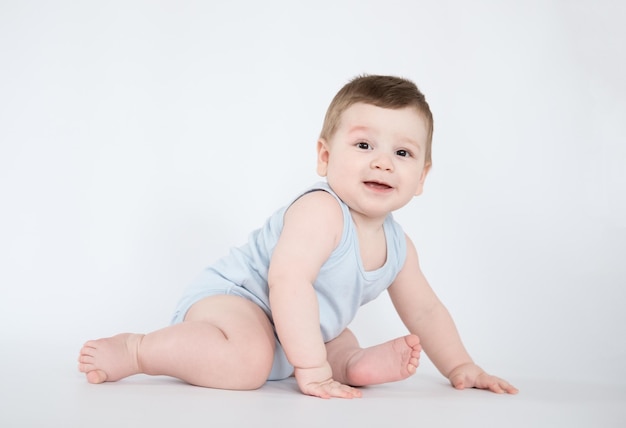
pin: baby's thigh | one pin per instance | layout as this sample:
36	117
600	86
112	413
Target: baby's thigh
243	323
236	316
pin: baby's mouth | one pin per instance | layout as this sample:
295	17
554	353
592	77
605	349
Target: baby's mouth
377	185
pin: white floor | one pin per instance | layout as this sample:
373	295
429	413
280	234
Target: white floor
41	388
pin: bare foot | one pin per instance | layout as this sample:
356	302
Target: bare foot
388	362
110	359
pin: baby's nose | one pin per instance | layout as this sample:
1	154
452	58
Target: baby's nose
382	162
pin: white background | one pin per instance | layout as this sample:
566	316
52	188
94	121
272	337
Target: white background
139	141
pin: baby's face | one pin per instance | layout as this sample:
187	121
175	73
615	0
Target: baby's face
375	159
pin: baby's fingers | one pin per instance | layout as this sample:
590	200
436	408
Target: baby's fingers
333	389
497	385
508	388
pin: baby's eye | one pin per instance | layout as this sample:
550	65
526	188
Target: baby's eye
363	145
403	153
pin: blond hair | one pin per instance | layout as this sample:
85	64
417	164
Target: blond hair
381	91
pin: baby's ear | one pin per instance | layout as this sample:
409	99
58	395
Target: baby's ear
420	187
322	157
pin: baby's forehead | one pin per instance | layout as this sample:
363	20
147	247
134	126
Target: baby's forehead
361	113
372	108
405	123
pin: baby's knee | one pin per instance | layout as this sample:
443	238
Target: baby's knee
255	369
253	365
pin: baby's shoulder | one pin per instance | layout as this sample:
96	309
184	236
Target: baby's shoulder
315	214
318	202
316	208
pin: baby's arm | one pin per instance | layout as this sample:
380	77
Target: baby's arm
312	229
424	314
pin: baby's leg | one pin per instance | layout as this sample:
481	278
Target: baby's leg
388	362
225	342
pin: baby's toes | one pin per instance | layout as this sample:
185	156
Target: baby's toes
412	341
85	359
96	376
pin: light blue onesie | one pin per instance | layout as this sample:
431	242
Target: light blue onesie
342	285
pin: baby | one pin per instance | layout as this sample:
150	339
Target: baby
280	305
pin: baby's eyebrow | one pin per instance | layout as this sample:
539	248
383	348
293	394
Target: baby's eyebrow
401	139
410	142
359	128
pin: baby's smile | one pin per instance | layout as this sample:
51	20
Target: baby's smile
377	185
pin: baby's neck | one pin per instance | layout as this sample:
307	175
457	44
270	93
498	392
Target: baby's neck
367	225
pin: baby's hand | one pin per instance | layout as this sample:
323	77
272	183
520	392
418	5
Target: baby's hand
472	376
318	382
